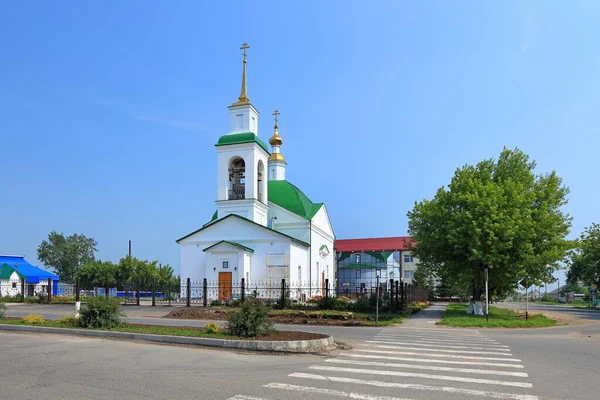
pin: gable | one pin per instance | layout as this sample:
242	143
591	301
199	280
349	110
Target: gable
234	228
228	246
321	220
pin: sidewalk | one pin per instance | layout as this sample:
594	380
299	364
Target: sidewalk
426	318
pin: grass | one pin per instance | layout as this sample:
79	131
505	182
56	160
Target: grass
499	318
155	330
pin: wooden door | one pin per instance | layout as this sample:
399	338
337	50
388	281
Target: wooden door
323	284
225	285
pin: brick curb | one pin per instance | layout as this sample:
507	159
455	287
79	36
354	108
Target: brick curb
291	346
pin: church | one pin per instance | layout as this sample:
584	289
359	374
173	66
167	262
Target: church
265	229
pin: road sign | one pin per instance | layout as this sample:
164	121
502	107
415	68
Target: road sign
593	292
593	286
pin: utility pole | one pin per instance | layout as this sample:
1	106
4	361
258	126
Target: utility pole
487	297
558	292
130	248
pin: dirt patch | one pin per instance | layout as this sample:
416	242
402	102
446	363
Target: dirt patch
272	336
298	317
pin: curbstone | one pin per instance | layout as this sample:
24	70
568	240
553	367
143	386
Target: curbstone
291	346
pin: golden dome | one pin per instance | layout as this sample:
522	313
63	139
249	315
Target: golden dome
276	140
276	157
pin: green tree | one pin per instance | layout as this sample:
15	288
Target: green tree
585	258
497	215
66	254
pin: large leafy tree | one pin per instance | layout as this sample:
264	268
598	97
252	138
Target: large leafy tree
496	215
66	254
585	259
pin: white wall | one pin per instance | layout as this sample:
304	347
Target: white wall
289	223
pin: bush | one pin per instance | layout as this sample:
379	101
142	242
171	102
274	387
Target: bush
69	320
2	308
251	320
33	319
101	312
215	303
212	328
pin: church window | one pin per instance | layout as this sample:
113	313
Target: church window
14	285
237	179
299	273
225	264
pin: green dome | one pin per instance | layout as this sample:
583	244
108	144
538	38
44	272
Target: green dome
288	196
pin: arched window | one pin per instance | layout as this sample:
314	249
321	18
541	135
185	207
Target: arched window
260	181
237	179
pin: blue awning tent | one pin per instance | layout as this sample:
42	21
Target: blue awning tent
33	274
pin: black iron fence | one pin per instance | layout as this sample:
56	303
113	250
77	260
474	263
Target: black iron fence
391	295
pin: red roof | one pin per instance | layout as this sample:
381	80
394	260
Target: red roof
401	243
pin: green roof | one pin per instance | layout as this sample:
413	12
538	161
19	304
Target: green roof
6	271
288	196
239	138
241	246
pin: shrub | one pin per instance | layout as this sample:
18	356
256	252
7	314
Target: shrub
33	319
251	320
215	303
69	320
212	328
2	308
101	312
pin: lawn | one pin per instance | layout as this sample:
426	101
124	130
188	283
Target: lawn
499	318
358	318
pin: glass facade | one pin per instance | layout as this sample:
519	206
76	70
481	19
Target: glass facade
357	272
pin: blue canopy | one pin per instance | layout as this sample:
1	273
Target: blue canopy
32	274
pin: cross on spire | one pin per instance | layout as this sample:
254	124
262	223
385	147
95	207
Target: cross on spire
244	47
276	116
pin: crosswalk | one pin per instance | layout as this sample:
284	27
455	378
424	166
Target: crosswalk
410	363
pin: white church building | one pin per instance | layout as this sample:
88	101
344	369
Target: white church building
265	229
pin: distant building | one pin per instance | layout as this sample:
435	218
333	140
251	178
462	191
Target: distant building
359	261
14	268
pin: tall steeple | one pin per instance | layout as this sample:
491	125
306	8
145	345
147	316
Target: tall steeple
243	115
276	161
243	99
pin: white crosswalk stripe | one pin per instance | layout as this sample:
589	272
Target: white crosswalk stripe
437	361
428	367
415	386
410	364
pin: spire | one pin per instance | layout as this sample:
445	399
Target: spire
276	140
243	99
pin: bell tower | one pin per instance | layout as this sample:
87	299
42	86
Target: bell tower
242	161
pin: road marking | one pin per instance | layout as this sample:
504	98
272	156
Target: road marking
409	353
416	386
441	345
426	360
466	332
424	376
242	397
436	350
437	336
428	367
436	339
330	392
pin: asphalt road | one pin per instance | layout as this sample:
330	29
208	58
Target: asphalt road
581	313
415	361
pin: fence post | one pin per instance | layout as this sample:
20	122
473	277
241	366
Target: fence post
169	292
137	295
392	304
22	290
188	292
49	290
106	289
283	293
205	292
153	292
326	292
243	289
405	295
396	299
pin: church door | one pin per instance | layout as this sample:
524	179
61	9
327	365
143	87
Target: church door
225	285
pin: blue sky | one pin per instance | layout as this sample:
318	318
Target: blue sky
110	110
